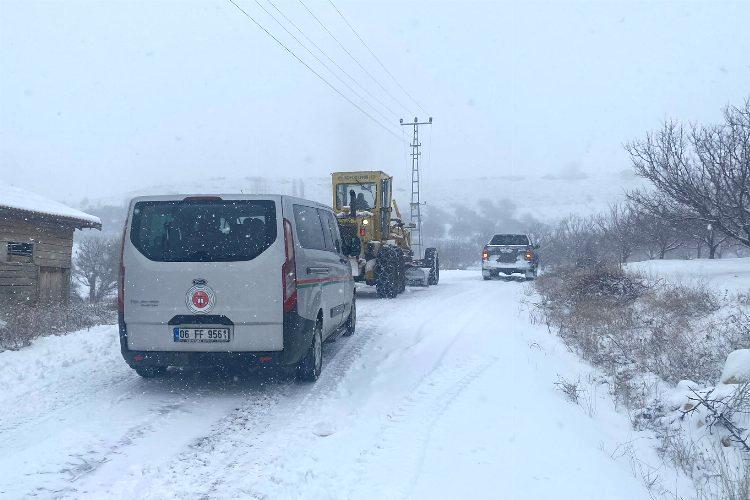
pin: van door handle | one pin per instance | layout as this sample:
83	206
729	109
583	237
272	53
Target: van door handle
344	261
318	270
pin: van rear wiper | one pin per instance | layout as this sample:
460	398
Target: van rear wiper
201	256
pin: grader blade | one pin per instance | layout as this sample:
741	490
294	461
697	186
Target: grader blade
417	276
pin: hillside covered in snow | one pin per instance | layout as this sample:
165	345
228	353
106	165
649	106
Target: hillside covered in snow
546	198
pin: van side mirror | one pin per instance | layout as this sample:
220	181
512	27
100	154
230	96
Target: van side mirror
536	247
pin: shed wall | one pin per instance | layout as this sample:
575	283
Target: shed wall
51	260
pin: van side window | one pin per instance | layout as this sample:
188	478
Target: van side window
332	224
326	231
309	228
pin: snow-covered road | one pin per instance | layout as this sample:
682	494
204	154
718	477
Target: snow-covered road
445	392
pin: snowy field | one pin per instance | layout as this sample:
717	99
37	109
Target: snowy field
445	392
722	275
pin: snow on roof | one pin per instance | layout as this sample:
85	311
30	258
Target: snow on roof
20	199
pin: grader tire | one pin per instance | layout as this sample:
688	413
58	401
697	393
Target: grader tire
432	260
388	275
401	274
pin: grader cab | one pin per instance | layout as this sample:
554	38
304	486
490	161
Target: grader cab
375	237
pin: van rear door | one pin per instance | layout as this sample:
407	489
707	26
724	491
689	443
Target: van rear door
204	261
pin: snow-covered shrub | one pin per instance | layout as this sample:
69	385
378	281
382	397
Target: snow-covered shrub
737	368
622	321
580	301
570	389
22	323
679	300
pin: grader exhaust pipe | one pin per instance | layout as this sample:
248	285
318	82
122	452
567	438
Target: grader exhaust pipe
352	203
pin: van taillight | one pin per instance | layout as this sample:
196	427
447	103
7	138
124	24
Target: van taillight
121	282
528	255
485	254
288	270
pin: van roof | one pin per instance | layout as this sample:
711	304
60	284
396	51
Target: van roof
227	196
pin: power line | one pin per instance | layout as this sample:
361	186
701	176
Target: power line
376	57
321	62
352	57
312	70
365	89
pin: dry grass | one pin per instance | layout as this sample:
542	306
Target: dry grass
23	323
622	322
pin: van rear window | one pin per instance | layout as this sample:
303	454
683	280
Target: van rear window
203	230
509	239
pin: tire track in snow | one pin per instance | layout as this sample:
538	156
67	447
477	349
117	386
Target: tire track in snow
399	465
81	463
244	438
275	466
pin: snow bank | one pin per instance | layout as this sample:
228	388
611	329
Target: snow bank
50	360
737	367
20	199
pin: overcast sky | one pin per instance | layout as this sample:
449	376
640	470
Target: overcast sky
104	97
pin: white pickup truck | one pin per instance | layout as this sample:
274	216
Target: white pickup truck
510	254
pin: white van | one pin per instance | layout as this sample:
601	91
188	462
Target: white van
247	279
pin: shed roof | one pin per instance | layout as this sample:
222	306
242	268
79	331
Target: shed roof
20	199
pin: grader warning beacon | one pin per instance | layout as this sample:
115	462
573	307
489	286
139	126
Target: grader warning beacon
376	239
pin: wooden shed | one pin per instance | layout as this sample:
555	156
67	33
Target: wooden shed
36	243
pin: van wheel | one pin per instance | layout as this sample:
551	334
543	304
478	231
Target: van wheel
351	321
311	365
150	371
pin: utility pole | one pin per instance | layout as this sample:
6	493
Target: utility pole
416	204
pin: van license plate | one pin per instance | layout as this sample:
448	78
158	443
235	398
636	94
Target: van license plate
200	334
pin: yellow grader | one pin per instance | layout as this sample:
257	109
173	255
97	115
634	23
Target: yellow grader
376	239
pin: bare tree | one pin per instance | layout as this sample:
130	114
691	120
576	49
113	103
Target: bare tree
619	227
434	221
466	222
96	265
575	240
662	230
705	172
705	235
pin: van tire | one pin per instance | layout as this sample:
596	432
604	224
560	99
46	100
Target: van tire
351	322
311	365
388	275
150	371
